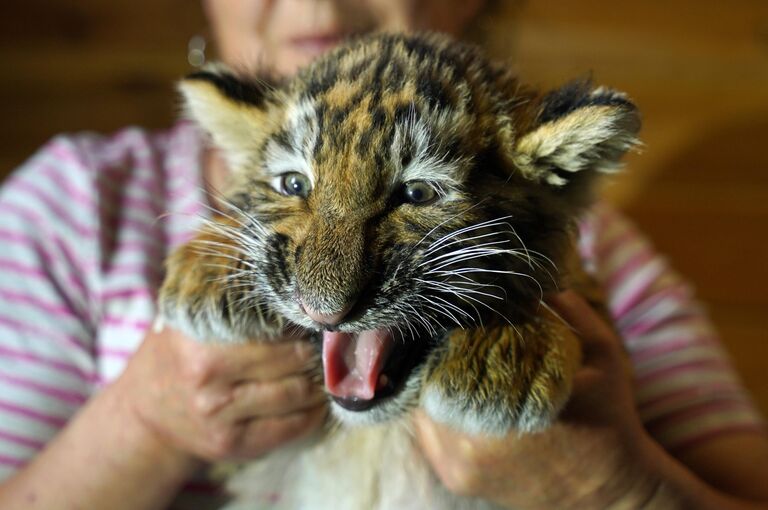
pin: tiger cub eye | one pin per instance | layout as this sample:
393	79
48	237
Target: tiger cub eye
295	184
419	192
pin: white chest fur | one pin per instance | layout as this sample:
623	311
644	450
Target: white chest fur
376	468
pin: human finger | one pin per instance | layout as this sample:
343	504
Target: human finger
580	315
272	398
262	435
604	357
202	362
226	364
599	341
282	360
462	462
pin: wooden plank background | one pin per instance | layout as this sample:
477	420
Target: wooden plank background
697	68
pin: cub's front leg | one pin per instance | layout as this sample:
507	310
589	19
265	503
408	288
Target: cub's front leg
499	379
208	293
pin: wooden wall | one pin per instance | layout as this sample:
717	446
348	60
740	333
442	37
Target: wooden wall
697	68
699	72
89	65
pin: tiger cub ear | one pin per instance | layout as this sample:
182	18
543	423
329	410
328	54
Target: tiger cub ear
232	109
579	132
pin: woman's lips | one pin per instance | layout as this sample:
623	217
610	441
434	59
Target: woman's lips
317	43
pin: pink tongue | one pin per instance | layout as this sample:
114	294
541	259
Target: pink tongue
353	361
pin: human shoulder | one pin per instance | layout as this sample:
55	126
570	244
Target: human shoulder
85	156
81	192
77	181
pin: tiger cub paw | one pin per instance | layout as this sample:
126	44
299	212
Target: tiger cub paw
193	297
495	381
202	297
498	415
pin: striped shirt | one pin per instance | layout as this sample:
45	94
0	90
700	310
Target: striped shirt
86	223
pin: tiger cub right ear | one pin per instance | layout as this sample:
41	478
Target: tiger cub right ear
232	109
579	133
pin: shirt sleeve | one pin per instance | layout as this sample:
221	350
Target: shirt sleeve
686	389
48	273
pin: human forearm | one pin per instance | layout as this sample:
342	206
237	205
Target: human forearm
598	455
678	488
178	400
647	478
104	458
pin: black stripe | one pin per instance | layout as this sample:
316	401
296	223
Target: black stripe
574	95
236	89
283	139
364	142
322	79
320	112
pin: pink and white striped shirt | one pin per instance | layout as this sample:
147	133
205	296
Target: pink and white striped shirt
86	223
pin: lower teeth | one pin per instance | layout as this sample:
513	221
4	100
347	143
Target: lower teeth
383	380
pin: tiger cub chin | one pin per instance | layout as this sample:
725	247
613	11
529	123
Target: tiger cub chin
411	203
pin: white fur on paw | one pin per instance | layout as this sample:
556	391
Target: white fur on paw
202	325
489	419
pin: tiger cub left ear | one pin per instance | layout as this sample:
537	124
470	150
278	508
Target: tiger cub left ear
580	131
232	108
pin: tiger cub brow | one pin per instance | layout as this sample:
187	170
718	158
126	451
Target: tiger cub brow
290	149
416	152
418	155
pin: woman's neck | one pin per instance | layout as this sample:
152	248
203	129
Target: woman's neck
215	176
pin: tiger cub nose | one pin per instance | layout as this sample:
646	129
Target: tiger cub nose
328	319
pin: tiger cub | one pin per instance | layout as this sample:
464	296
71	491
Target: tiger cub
411	203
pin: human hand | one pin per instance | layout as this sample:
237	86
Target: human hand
596	456
216	401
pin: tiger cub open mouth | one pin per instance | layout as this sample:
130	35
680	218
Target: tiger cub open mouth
363	369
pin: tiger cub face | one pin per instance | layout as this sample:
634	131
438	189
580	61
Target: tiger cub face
399	188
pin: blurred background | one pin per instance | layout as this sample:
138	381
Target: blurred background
698	69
